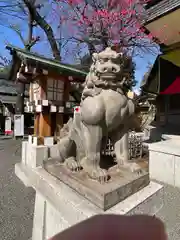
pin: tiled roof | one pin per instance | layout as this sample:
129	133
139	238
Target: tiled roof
9	87
161	8
49	63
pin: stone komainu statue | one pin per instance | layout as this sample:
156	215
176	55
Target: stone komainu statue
105	112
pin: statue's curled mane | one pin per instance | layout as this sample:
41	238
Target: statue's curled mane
107	62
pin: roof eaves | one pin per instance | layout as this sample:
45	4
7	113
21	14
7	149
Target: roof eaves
160	9
22	54
172	47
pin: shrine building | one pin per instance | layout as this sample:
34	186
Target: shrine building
52	90
163	82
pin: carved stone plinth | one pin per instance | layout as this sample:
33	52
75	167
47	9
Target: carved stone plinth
121	185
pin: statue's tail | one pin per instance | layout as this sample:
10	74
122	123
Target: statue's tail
149	117
76	135
144	116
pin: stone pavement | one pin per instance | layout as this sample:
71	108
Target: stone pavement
17	201
170	213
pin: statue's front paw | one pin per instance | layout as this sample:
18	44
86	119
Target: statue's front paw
133	167
120	162
72	164
99	174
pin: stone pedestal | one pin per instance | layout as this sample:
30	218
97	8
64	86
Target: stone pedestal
164	161
58	206
121	185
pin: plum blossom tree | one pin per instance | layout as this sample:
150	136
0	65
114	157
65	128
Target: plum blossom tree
85	25
106	23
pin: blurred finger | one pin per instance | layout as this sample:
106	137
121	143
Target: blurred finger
105	227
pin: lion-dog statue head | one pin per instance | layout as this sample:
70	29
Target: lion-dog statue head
109	69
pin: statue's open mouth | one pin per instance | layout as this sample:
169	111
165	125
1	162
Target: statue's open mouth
108	75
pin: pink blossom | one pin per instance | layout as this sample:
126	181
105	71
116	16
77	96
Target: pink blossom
123	20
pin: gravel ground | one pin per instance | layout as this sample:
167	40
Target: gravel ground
17	201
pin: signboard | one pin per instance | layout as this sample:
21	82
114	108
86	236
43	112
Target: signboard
18	125
8	125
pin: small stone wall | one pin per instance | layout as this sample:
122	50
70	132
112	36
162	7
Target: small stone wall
164	162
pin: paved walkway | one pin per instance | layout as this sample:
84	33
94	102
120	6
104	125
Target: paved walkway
170	213
17	201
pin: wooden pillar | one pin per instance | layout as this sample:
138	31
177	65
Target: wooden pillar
43	84
36	124
166	108
67	86
59	123
45	124
66	90
60	116
42	121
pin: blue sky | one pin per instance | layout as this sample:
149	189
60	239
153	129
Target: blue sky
142	64
8	36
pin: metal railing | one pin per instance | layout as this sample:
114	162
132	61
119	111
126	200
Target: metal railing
135	146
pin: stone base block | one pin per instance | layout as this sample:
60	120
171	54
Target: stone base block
48	141
164	162
54	151
121	185
58	206
33	156
37	140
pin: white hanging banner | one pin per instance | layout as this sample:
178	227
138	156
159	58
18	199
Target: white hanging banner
18	125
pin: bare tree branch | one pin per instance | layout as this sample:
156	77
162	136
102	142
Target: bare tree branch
17	30
45	27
